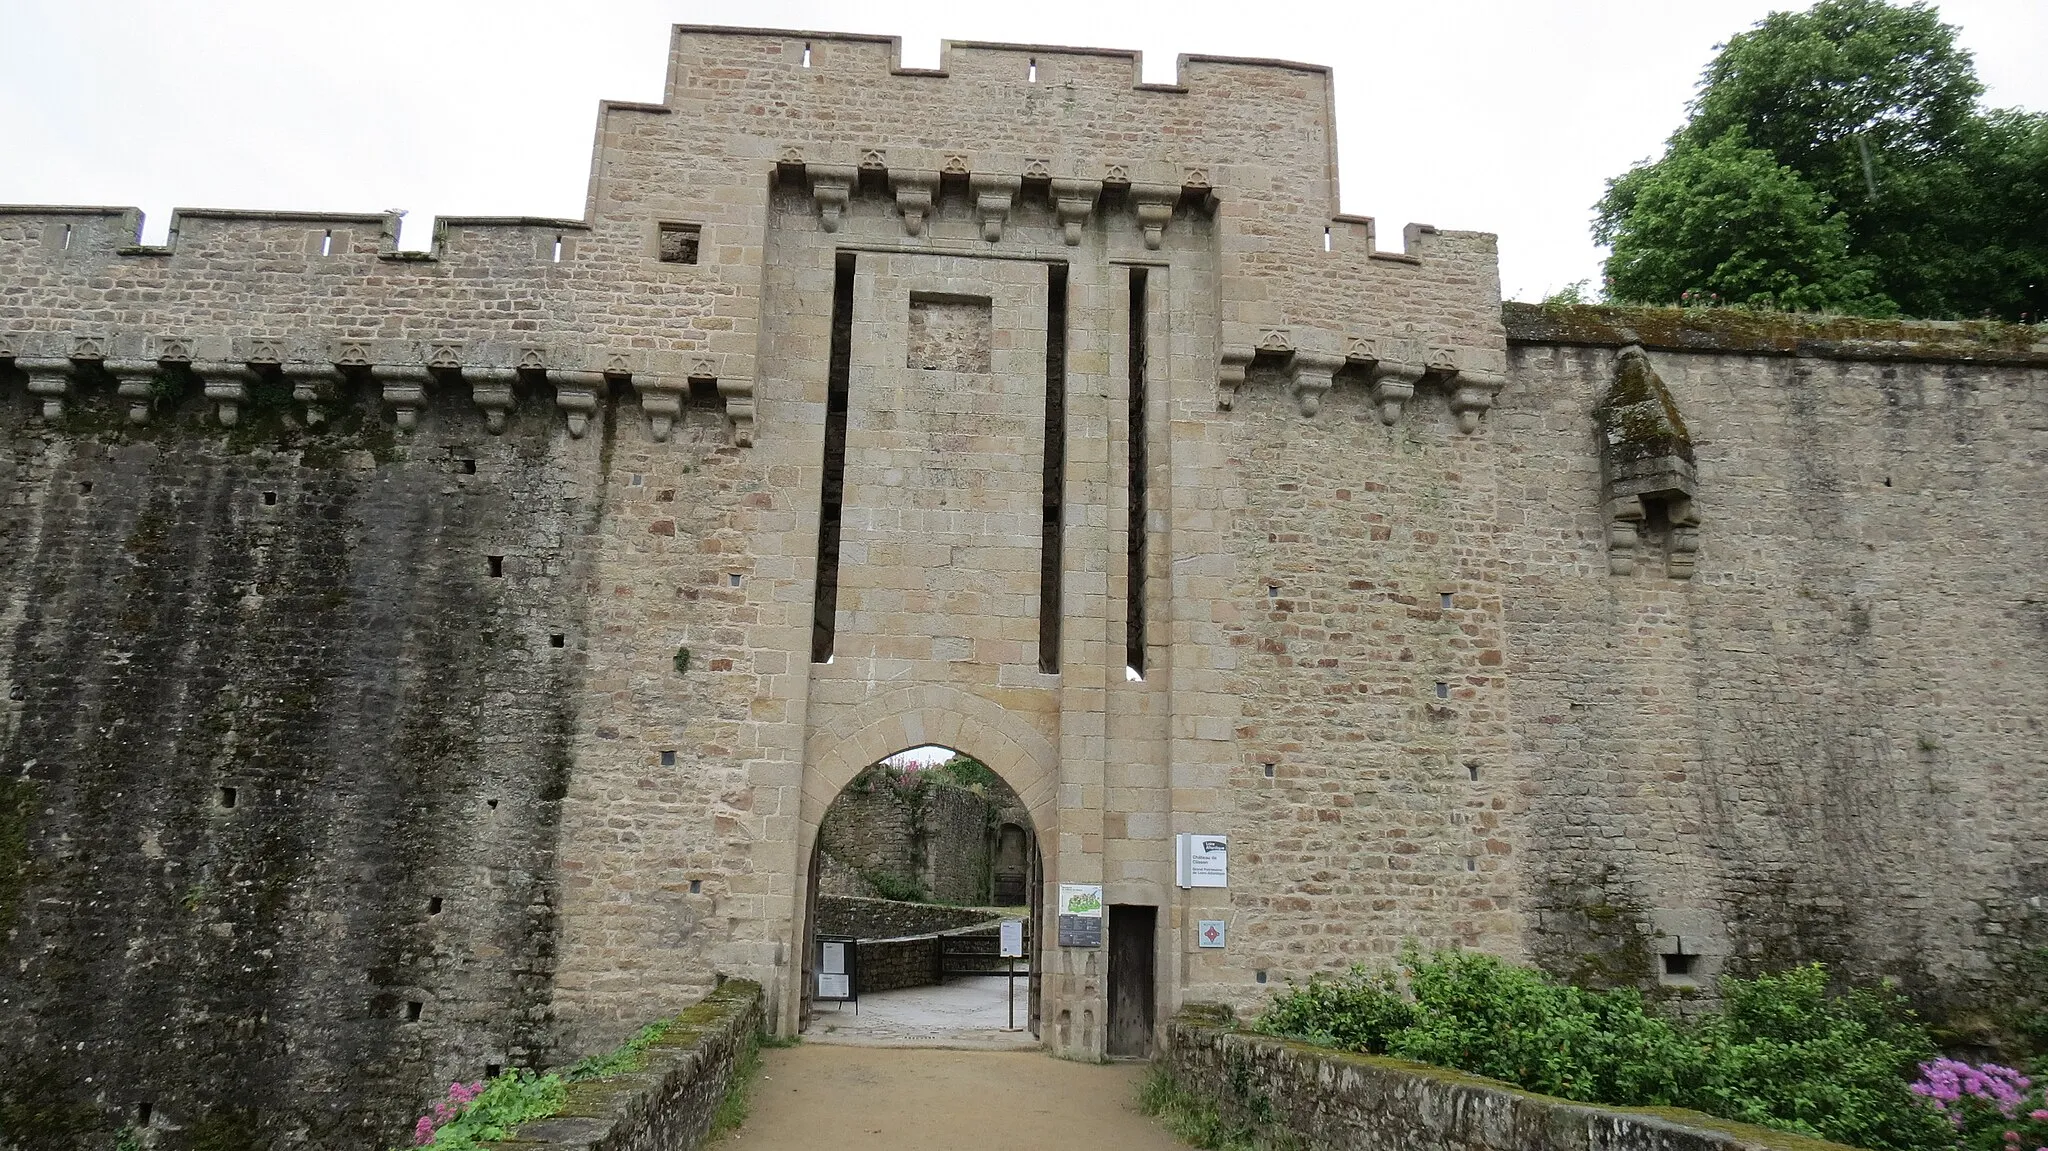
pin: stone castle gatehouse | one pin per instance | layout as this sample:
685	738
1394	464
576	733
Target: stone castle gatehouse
417	663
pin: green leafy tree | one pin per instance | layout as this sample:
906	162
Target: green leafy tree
1726	223
1875	109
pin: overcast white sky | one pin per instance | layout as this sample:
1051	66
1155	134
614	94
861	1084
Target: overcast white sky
1501	115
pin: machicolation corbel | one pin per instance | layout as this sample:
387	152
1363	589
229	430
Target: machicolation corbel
227	385
1154	203
492	390
405	392
1073	201
915	194
577	394
832	187
994	197
1647	475
1311	375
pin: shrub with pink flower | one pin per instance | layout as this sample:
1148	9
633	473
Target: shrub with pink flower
1993	1108
460	1095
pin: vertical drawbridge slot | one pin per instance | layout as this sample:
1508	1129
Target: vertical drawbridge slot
832	493
1053	522
1135	526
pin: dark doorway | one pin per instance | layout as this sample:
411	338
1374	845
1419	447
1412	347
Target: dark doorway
1130	980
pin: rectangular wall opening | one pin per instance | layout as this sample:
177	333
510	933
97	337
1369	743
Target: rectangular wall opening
1053	515
832	492
1135	527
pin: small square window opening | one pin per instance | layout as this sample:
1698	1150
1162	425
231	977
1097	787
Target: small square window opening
1443	690
668	759
679	243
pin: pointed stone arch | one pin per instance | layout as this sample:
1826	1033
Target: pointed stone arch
937	715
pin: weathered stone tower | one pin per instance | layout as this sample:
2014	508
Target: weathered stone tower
424	662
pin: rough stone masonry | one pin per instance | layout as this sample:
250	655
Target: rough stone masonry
416	664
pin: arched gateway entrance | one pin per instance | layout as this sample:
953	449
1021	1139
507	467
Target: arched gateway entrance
922	716
913	869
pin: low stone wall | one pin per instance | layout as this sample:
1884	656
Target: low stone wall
891	964
889	918
1311	1098
669	1104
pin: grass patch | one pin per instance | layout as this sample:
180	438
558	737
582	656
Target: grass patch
739	1093
1189	1117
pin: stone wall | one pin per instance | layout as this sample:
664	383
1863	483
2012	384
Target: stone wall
1821	745
284	759
485	581
669	1104
894	964
1315	1099
936	838
887	918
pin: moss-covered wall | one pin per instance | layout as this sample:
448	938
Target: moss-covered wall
309	621
1826	744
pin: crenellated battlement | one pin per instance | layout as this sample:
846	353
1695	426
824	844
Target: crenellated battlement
60	232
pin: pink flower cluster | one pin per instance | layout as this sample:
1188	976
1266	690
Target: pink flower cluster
1946	1082
460	1095
1957	1089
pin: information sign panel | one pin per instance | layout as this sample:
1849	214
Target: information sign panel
1202	860
836	975
1013	938
1080	915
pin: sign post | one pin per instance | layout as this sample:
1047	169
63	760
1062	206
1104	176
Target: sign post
1012	947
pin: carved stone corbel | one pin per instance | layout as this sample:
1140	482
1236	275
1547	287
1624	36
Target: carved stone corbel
1230	372
1393	385
739	408
1154	203
577	393
314	387
405	392
491	390
134	381
832	187
994	196
227	385
50	379
1473	397
915	193
1311	374
1646	466
662	400
1072	201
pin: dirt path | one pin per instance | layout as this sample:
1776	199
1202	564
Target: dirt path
829	1098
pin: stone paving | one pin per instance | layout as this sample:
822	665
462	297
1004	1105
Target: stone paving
969	1013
